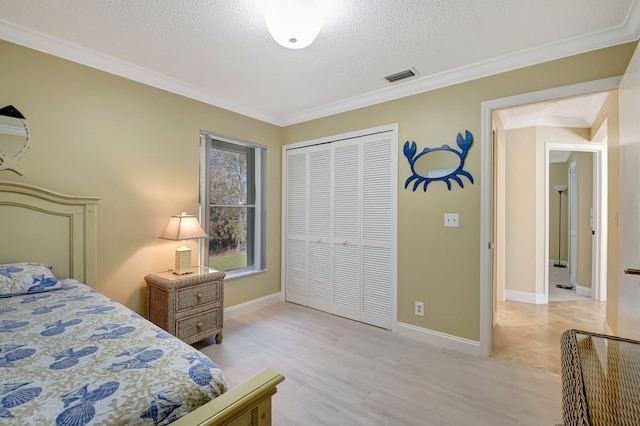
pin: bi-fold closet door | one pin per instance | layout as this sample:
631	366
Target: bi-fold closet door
340	227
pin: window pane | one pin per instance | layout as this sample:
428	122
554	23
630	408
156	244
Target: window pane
228	238
234	212
228	177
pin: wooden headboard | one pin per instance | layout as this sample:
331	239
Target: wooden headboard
38	225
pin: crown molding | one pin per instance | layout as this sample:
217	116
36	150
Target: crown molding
91	58
629	31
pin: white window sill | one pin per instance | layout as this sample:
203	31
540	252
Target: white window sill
242	274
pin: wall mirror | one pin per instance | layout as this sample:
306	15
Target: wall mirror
14	138
438	164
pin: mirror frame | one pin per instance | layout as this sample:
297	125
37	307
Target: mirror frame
11	163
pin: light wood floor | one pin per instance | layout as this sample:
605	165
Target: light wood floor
340	372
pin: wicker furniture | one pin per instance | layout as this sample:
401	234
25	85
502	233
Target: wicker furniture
600	379
187	306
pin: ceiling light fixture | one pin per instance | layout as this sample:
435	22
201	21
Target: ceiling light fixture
293	24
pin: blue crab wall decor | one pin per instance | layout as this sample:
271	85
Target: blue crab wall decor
445	175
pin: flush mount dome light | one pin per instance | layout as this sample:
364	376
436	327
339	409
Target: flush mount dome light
293	23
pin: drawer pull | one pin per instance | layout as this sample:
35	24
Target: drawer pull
199	296
199	325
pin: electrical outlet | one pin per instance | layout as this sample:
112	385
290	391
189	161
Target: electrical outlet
419	309
451	220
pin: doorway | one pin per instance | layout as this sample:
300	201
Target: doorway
574	220
492	246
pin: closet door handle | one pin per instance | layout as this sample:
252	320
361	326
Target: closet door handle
631	271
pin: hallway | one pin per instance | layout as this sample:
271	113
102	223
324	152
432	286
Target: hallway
529	334
561	276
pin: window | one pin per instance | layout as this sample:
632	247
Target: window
233	209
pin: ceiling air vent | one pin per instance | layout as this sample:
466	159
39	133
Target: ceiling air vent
401	75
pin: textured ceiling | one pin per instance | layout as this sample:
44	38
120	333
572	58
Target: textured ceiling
220	52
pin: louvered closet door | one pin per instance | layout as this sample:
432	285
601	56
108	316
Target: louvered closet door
296	276
346	230
341	227
378	249
319	231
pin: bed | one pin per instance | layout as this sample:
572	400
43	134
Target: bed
71	356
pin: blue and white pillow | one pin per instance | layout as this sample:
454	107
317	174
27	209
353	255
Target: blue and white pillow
26	277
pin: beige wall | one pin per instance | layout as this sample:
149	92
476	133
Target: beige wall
558	176
438	265
609	112
520	215
526	204
136	147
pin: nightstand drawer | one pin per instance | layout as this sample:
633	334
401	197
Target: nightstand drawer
197	295
197	324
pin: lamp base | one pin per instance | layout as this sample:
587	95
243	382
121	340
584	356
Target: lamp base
565	286
183	261
559	265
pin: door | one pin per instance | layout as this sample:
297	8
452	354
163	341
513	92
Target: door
319	232
573	225
346	229
339	225
629	290
297	287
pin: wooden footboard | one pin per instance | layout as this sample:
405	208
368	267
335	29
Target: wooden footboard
248	404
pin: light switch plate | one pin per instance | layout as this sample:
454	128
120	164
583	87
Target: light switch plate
451	220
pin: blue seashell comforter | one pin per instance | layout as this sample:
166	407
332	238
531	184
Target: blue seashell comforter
74	357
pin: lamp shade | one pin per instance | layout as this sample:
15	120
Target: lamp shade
183	227
559	188
294	24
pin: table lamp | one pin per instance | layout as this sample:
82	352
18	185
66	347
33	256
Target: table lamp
183	227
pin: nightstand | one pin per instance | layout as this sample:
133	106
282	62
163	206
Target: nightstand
188	306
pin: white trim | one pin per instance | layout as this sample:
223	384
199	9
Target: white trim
486	181
525	297
628	32
252	305
441	340
94	59
342	136
583	291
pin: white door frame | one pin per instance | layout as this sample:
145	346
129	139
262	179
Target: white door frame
572	204
600	191
486	172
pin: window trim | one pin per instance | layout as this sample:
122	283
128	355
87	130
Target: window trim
259	190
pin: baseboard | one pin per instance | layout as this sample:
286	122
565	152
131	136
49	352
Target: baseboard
252	305
524	297
442	340
583	291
